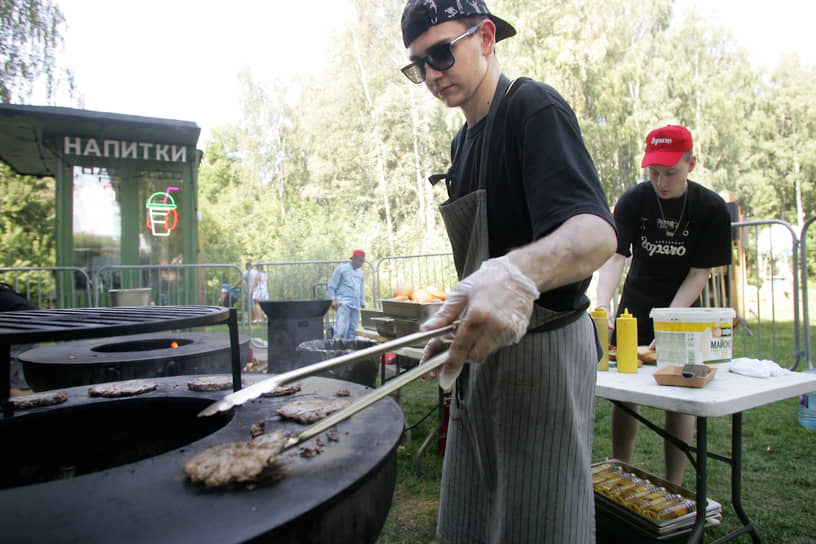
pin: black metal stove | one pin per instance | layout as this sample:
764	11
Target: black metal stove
99	360
290	323
105	470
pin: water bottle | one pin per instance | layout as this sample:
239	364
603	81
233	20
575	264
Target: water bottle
807	408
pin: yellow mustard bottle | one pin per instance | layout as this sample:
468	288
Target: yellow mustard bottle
626	328
602	329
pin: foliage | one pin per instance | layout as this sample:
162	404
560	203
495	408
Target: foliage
30	35
318	165
349	150
27	218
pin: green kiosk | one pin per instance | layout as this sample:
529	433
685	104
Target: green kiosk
126	186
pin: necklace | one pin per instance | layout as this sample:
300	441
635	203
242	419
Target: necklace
671	233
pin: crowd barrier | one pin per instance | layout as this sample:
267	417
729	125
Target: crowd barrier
415	271
766	284
50	287
764	290
807	330
309	280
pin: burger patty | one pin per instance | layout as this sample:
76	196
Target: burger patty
36	400
238	462
283	390
203	384
311	410
121	389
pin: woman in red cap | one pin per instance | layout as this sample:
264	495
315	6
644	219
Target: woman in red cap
347	294
675	231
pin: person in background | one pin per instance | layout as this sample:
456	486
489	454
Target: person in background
12	301
243	283
251	276
528	223
675	231
260	292
347	294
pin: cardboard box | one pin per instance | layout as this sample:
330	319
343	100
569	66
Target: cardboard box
674	375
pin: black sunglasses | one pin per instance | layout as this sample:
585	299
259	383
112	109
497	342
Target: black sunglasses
439	57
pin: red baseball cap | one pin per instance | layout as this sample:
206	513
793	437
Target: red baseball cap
666	146
358	253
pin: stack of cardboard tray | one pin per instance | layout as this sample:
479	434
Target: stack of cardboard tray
618	521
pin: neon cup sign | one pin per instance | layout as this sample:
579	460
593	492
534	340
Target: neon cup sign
162	212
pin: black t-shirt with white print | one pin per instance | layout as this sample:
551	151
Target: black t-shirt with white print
693	230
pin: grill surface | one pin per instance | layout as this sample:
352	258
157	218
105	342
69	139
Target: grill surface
97	360
341	495
72	324
53	325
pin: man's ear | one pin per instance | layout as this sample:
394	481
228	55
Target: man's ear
487	35
692	162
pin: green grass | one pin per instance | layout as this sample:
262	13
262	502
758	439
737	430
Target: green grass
779	461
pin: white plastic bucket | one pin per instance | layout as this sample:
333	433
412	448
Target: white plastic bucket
693	335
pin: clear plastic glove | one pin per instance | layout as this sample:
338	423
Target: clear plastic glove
436	346
495	304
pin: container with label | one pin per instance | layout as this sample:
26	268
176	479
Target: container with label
693	335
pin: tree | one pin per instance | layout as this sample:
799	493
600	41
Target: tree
27	236
320	165
30	35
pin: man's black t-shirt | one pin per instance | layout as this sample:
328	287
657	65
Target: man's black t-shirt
665	241
539	175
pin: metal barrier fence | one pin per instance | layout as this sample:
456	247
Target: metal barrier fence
176	284
806	335
304	280
764	291
766	284
308	280
50	287
416	271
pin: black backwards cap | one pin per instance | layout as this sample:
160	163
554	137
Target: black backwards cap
420	15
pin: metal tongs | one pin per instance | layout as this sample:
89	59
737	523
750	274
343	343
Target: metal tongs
265	386
364	402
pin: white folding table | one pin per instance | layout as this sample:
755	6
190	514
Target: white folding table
727	394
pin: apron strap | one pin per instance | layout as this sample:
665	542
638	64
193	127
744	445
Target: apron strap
501	90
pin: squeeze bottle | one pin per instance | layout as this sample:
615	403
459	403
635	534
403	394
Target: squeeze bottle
602	329
626	327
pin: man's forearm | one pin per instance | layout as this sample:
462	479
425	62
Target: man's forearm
609	278
691	288
570	253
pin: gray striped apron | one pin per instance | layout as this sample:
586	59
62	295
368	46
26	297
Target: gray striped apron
519	442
